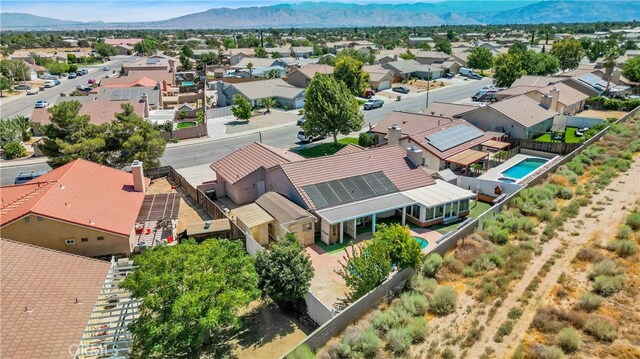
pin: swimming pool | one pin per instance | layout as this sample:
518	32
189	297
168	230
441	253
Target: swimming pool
423	242
523	168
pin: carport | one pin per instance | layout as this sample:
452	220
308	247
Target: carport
467	158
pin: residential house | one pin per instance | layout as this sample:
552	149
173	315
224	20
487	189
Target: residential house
301	77
414	41
47	299
99	112
537	81
148	64
518	116
115	42
449	66
257	63
445	109
411	68
561	98
82	208
283	51
35	71
443	141
302	51
124	49
289	218
431	57
287	95
241	175
174	62
151	95
379	77
233	56
461	57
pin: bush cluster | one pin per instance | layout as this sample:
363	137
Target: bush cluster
568	339
601	329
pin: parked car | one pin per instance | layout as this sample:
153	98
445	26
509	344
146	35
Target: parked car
369	93
33	91
91	81
484	95
49	83
448	75
82	87
81	72
24	177
371	104
304	138
475	77
106	68
22	87
301	121
41	104
56	82
401	89
72	75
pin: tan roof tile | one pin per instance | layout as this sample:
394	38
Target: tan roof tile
523	110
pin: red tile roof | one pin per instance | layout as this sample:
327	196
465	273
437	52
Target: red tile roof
133	81
100	111
389	159
410	123
421	140
244	161
350	148
40	317
80	192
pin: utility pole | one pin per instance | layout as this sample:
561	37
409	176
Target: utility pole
428	87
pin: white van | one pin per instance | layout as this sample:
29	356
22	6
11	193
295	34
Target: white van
469	73
49	83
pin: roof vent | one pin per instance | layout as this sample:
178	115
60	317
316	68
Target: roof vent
91	222
62	186
28	311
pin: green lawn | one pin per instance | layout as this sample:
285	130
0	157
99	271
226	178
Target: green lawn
186	124
569	136
334	248
479	209
325	149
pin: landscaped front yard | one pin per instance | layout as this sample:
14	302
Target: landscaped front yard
325	149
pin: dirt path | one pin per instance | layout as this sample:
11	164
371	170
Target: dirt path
624	190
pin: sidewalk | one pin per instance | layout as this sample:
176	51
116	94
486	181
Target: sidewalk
23	162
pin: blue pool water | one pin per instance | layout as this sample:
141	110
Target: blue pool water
423	242
524	167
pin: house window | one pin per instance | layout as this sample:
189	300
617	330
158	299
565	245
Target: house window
40	219
430	213
425	161
464	205
100	238
414	211
27	219
70	242
439	211
306	227
84	239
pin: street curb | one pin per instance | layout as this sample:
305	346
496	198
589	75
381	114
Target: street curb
24	162
197	141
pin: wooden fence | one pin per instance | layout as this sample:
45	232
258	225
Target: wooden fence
552	147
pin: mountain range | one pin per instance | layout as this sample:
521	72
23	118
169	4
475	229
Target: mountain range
331	14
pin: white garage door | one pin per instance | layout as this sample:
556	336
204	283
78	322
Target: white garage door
299	102
383	85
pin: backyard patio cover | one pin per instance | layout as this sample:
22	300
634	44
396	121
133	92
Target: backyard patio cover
440	193
496	144
365	207
467	157
252	215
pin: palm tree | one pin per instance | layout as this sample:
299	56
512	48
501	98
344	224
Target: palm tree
268	103
250	68
24	125
609	64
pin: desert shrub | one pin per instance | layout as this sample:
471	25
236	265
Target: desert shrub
503	330
635	146
623	248
369	343
392	318
625	232
422	284
350	339
576	167
444	300
399	340
468	272
514	313
496	234
547	352
447	353
608	285
551	320
565	193
358	343
419	329
594	151
414	303
571	176
568	339
633	220
431	265
589	301
606	267
532	201
626	155
301	352
601	329
587	255
559	179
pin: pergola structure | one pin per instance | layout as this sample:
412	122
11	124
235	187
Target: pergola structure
467	158
107	333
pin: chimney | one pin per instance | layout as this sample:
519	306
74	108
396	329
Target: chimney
138	176
414	154
555	95
545	101
220	96
394	135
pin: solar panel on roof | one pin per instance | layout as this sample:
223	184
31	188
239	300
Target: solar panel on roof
350	189
452	137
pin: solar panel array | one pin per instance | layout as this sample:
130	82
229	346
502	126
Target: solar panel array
350	189
452	137
129	93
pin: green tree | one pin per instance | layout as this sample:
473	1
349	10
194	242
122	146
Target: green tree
276	55
268	103
228	43
250	68
15	70
11	130
403	250
5	84
408	55
56	68
351	52
273	74
187	50
569	52
350	72
364	268
14	149
185	62
609	65
518	47
188	293
542	64
330	108
24	125
631	69
104	50
261	52
285	271
480	58
147	46
241	108
71	59
444	46
507	68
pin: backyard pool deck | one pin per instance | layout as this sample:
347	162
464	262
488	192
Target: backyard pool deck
495	173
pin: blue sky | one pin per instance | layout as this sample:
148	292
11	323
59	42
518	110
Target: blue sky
137	10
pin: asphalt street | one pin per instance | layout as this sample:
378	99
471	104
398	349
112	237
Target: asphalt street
195	154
